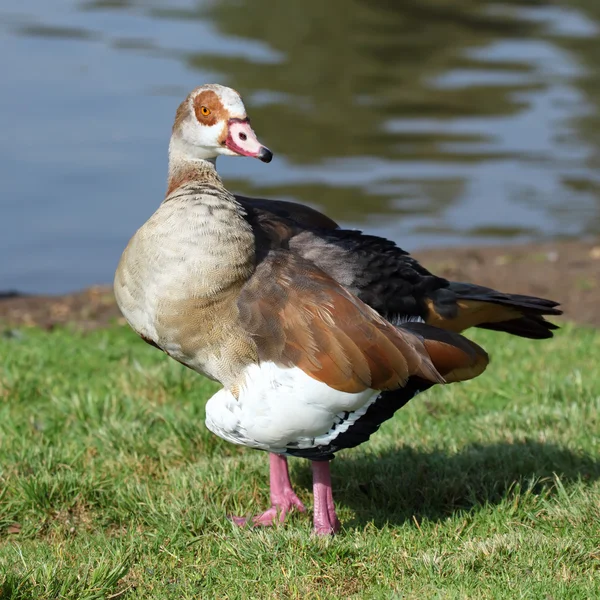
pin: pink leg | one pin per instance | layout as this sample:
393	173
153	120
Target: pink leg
283	497
325	519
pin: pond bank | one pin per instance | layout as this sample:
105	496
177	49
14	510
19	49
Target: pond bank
568	272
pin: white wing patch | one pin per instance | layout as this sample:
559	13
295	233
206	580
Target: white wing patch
397	320
279	407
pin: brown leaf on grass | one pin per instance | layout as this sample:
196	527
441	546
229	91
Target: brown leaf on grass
14	528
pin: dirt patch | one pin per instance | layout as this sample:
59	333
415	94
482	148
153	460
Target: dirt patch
88	309
568	272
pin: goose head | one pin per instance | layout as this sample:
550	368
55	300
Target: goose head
212	121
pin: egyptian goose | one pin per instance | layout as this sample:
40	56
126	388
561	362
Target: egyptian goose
317	334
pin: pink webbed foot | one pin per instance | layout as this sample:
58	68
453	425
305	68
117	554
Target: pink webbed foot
326	521
280	508
283	497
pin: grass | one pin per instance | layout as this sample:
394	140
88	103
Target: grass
111	487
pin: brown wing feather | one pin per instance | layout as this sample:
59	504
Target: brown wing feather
471	313
453	363
299	316
453	355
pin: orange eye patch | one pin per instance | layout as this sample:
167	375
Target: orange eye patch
208	108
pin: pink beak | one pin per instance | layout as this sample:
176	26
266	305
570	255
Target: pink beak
242	140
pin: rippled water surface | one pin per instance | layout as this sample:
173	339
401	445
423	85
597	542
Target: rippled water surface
428	121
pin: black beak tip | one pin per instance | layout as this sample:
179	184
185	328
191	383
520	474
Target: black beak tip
265	155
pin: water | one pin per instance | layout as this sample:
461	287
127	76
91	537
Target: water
433	122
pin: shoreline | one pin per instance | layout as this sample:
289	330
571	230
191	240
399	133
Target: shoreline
565	271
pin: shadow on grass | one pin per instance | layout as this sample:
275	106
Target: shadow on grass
398	485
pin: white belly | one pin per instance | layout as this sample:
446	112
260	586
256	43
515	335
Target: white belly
278	407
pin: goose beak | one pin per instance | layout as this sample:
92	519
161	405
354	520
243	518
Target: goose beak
242	140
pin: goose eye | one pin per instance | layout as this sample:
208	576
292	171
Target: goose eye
205	111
